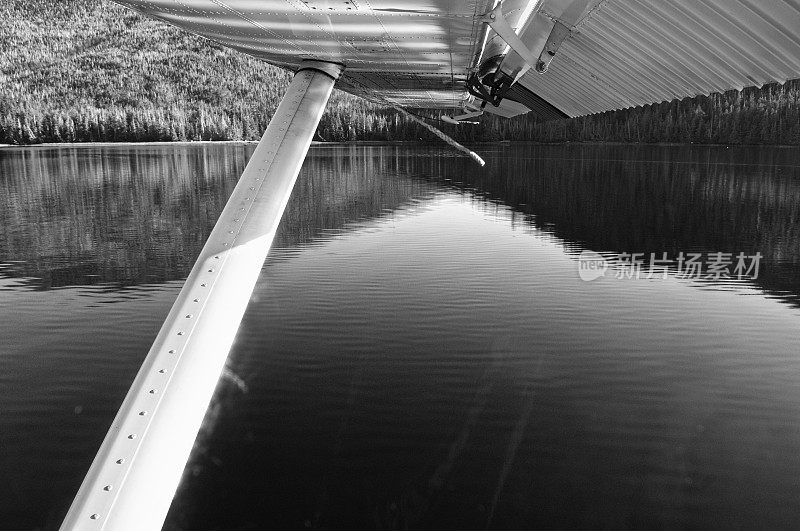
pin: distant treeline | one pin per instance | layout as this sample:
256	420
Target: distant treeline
89	70
766	115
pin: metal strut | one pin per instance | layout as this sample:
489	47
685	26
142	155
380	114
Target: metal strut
131	483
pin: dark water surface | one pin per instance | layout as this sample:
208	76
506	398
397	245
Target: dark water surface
420	351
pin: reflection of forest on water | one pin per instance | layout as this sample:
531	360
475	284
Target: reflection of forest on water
132	215
129	215
627	198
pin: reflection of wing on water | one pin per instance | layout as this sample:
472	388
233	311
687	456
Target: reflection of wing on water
555	57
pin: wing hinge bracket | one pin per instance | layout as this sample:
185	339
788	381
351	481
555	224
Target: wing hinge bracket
497	21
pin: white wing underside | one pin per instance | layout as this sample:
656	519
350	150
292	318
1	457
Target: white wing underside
420	53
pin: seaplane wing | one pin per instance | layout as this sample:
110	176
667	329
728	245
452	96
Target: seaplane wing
557	58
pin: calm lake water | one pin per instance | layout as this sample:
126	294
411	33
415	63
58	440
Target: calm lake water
420	351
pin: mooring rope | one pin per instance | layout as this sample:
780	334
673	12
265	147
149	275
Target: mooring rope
474	156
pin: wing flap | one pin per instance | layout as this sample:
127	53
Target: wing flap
636	52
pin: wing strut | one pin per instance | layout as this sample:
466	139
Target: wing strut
136	472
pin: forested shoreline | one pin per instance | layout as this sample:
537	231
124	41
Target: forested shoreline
89	71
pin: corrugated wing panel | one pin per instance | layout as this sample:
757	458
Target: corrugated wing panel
634	52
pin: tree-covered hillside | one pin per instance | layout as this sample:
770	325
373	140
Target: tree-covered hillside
89	70
83	70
